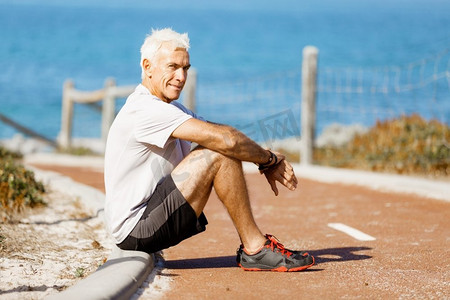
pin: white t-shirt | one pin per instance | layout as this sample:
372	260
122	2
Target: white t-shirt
139	153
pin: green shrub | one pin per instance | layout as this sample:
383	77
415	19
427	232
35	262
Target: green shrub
18	187
5	153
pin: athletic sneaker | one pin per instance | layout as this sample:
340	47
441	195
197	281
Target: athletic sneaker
274	257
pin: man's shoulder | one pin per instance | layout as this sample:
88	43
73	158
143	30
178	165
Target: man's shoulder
141	92
142	99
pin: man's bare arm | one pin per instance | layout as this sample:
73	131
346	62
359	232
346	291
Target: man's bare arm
223	139
231	142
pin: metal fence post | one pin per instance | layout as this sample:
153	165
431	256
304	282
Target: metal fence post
65	135
308	114
108	108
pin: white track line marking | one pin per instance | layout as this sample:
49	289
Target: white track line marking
355	233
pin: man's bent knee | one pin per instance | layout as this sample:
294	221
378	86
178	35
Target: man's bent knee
195	175
202	160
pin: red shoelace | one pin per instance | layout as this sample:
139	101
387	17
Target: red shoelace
274	243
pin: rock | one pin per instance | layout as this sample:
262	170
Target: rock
337	134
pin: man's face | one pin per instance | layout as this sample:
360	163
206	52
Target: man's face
168	73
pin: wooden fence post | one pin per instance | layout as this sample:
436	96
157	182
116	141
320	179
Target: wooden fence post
308	114
189	89
65	135
108	108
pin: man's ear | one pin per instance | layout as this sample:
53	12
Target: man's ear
146	65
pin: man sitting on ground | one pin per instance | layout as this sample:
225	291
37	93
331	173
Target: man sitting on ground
156	187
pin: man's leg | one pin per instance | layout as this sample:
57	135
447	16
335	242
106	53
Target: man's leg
200	171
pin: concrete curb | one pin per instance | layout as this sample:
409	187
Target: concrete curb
124	271
58	159
118	278
91	198
433	189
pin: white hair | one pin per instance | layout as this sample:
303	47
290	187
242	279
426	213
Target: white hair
154	41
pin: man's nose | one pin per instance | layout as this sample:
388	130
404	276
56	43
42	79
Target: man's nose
181	75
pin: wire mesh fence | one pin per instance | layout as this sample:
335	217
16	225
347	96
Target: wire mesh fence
344	96
354	95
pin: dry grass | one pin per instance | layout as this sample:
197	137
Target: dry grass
408	145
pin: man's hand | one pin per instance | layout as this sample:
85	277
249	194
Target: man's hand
283	173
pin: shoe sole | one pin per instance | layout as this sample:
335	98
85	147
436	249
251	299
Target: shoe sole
280	269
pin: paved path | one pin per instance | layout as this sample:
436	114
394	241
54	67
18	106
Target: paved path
407	257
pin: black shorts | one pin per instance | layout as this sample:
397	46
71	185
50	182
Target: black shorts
167	220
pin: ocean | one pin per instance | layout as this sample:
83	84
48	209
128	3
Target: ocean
42	45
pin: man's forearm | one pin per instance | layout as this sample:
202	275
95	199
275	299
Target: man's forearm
223	139
237	145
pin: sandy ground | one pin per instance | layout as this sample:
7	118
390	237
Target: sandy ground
75	244
49	249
